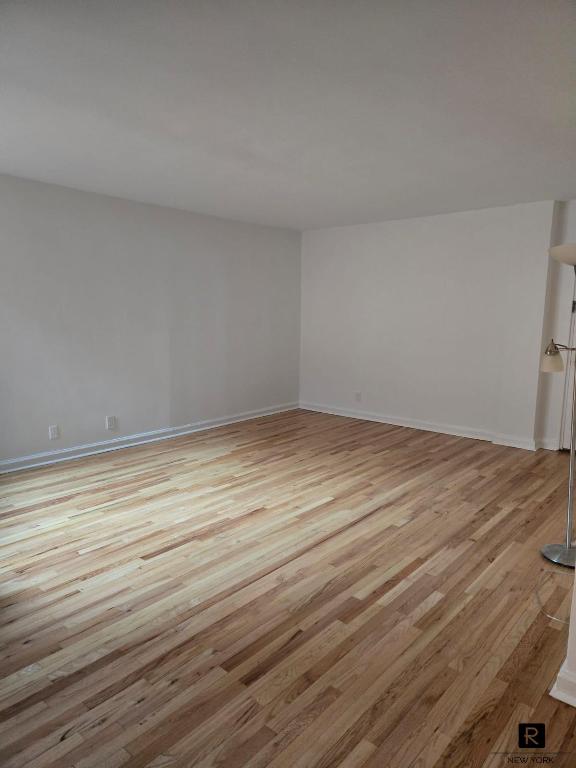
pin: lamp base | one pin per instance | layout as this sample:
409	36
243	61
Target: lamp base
560	554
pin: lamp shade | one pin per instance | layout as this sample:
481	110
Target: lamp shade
552	359
565	253
552	364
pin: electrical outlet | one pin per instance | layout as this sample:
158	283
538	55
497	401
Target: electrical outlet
53	432
358	397
111	422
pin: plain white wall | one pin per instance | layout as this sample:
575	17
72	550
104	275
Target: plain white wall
160	317
435	321
165	318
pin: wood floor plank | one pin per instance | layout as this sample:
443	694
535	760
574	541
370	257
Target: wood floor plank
299	590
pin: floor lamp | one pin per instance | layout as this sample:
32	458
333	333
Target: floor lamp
563	554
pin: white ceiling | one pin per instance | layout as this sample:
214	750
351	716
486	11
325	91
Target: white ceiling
300	113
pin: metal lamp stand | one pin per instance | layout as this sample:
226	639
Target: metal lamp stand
565	554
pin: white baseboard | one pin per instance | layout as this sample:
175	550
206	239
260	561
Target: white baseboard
564	689
514	441
89	449
78	451
548	443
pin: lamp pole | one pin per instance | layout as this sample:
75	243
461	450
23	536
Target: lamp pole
570	510
564	554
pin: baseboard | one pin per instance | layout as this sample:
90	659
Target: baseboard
514	441
127	441
564	689
76	452
548	443
447	429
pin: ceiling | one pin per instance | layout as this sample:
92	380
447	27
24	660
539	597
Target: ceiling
298	113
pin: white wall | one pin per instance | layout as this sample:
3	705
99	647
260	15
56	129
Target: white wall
165	319
160	317
436	322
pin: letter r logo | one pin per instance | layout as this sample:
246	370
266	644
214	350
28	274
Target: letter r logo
531	735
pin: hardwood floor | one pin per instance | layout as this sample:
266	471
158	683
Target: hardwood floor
297	591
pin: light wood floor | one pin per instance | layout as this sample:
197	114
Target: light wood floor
297	591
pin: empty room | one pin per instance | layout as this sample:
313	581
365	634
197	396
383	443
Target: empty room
287	383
